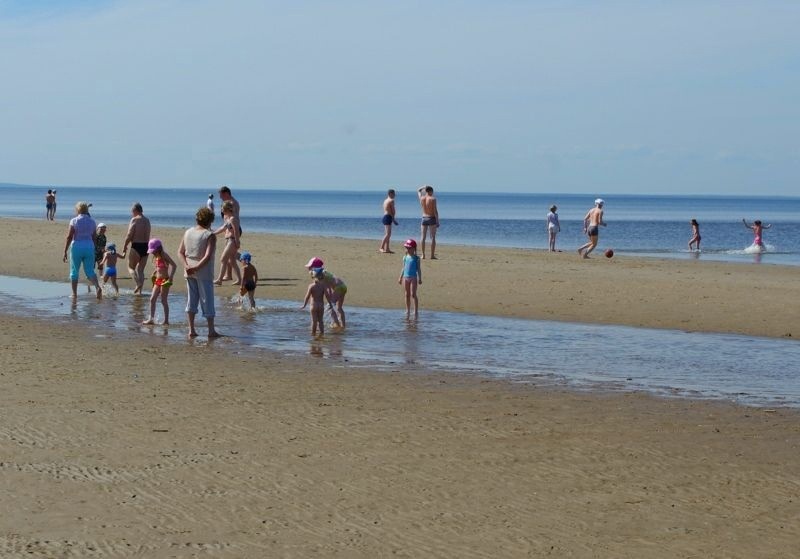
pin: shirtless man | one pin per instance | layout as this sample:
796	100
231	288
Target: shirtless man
49	200
430	217
591	225
388	220
225	195
138	236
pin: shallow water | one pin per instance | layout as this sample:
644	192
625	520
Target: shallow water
749	370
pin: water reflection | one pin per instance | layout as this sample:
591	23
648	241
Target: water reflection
660	361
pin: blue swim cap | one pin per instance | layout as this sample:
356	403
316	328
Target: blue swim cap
245	257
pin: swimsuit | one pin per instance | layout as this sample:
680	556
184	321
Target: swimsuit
387	219
249	285
111	271
429	220
410	266
592	231
140	248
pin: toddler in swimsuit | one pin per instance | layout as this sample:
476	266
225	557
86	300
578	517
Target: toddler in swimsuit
317	294
249	279
109	266
162	279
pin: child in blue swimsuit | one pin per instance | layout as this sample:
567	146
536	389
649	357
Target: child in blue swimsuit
109	266
411	276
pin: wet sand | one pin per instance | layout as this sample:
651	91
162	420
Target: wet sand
129	446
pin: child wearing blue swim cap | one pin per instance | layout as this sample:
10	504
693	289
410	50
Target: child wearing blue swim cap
249	279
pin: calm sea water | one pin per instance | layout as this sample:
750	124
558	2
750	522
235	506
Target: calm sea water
671	363
637	225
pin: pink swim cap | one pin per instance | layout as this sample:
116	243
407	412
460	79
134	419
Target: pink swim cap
410	243
153	245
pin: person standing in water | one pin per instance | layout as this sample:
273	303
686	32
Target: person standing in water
553	228
695	240
591	226
758	230
138	236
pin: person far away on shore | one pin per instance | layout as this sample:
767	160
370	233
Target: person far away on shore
592	222
430	218
553	228
388	220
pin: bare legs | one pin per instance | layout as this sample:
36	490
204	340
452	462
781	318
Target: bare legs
552	239
227	264
136	265
424	234
588	247
410	285
387	235
212	333
159	292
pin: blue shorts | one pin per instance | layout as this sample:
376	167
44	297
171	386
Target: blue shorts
387	219
81	253
111	271
429	220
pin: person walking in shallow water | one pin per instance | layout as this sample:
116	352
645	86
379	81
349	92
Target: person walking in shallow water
591	226
695	240
758	230
79	243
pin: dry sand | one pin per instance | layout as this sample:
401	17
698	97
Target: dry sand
135	447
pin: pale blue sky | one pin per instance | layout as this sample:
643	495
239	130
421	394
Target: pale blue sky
568	96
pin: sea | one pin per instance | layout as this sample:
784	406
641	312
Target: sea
638	225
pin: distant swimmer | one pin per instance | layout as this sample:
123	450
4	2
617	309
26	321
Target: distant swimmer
388	220
553	227
695	240
430	217
757	229
591	226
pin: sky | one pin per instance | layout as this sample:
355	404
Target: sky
649	97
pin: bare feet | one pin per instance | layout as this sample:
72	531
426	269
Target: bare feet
192	334
149	321
434	258
213	334
218	282
99	294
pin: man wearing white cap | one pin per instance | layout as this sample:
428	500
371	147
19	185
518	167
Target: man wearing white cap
591	226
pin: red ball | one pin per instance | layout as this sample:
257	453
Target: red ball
609	253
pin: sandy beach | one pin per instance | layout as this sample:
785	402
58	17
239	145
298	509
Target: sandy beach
128	445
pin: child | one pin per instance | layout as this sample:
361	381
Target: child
410	276
695	235
317	294
162	279
249	278
100	247
109	266
757	232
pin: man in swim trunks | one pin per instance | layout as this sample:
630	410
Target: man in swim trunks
591	226
49	200
138	236
430	217
388	220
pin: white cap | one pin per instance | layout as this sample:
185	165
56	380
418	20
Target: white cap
101	224
599	202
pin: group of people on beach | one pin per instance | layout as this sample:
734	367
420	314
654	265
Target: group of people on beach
593	220
86	247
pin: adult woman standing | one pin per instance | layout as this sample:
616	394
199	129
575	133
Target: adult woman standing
196	251
553	228
80	244
228	262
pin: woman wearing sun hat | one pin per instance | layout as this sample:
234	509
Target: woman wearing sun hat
79	243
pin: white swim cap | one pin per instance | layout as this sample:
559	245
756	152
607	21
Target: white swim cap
599	202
